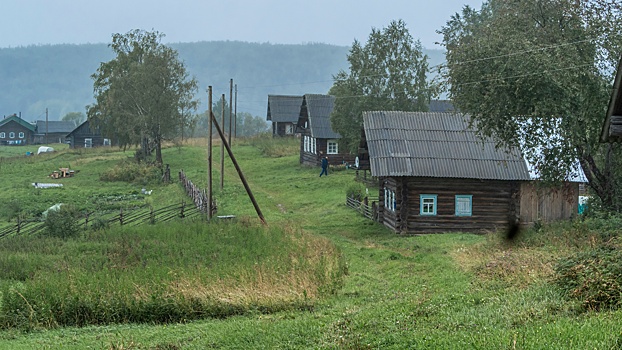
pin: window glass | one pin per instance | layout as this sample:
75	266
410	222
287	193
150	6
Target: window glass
88	143
2	135
427	204
21	135
12	135
333	147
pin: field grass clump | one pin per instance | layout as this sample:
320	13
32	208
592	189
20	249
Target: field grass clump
170	273
62	222
129	170
275	147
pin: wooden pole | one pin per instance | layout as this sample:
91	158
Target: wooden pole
235	114
230	109
240	174
209	154
222	146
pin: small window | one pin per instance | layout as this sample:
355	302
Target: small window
289	129
106	142
464	205
333	147
12	135
21	135
88	143
427	205
306	143
313	145
2	135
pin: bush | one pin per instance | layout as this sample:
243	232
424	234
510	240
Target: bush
355	191
594	277
63	223
128	170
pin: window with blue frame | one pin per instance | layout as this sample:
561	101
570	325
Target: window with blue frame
427	204
389	199
464	205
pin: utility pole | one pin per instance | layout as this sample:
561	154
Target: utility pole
46	127
235	114
222	147
230	109
209	154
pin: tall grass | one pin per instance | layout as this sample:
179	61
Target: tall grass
169	273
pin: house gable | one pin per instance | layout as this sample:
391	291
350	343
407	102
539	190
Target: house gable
612	126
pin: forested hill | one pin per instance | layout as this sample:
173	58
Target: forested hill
57	77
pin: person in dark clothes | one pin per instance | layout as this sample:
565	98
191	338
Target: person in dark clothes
324	166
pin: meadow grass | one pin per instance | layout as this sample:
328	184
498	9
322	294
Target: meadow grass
447	291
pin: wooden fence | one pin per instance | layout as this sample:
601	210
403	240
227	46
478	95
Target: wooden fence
121	217
199	196
369	211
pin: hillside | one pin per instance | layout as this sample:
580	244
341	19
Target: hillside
57	77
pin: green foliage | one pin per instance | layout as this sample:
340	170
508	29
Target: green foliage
356	191
62	223
593	278
145	94
387	73
129	170
537	75
76	117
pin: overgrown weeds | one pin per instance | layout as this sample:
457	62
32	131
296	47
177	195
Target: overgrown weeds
170	273
275	147
131	171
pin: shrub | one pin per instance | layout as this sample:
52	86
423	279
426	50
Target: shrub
132	171
355	191
63	222
593	277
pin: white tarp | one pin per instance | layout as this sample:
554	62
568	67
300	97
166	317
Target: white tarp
45	149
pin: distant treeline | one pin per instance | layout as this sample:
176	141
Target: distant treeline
57	77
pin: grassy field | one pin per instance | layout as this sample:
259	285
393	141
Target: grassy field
449	291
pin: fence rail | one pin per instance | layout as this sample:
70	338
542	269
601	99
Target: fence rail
198	195
363	206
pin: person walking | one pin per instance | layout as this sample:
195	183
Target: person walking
324	166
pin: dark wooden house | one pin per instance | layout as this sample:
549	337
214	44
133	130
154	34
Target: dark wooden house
283	112
437	175
52	131
16	131
85	137
612	127
317	137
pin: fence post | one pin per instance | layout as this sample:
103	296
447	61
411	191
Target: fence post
121	217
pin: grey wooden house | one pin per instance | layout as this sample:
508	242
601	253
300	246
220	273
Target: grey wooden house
85	137
437	175
283	112
612	127
317	137
52	131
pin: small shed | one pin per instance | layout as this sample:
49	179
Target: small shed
318	138
283	112
437	175
84	136
612	126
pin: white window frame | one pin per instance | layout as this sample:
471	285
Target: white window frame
107	142
2	135
332	147
428	204
21	135
289	129
389	200
464	205
313	145
12	135
88	143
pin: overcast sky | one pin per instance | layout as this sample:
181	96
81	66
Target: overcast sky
339	22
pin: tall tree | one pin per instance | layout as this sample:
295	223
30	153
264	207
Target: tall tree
144	95
536	74
387	73
76	117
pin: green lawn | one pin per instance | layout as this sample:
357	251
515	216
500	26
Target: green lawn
449	291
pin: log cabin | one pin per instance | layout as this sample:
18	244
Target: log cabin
317	136
283	112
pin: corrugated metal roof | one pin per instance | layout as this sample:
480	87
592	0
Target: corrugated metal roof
436	144
284	108
319	108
